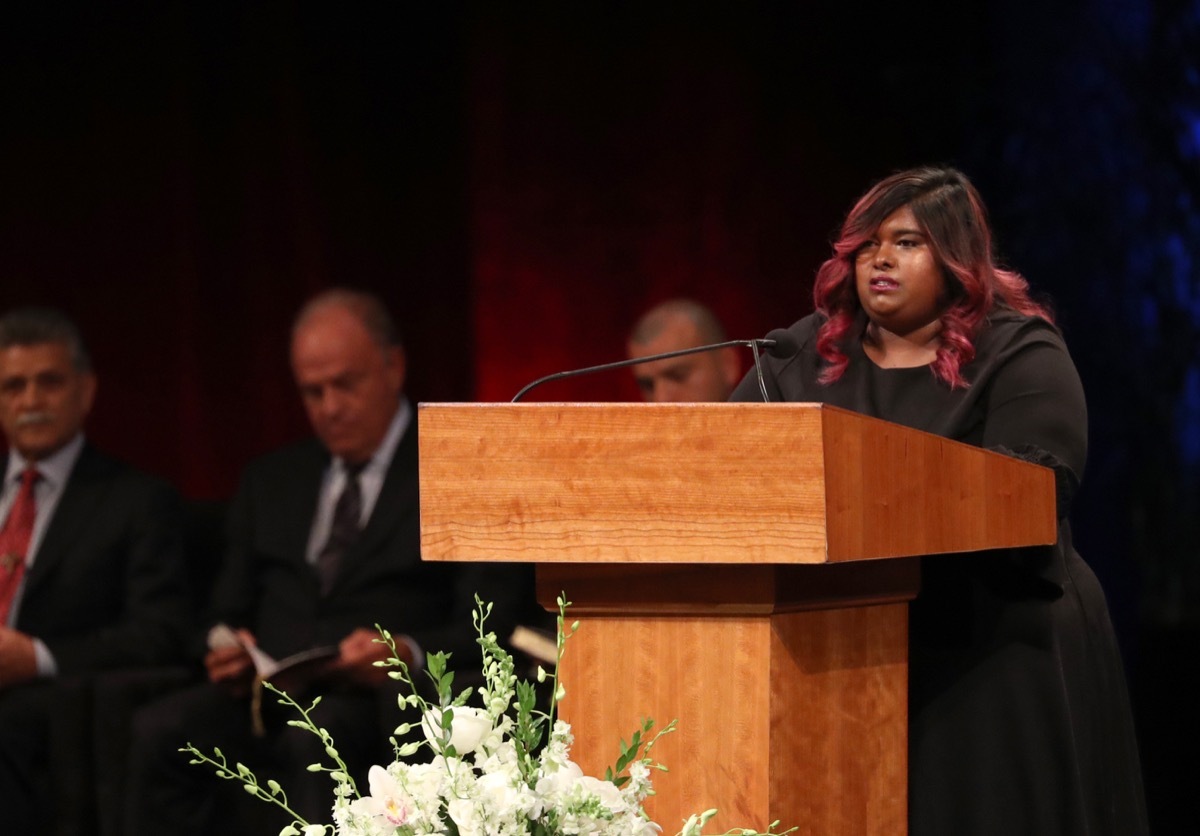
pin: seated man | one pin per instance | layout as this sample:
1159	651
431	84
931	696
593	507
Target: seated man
673	326
90	572
324	544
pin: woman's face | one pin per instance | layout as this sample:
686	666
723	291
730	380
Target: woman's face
899	282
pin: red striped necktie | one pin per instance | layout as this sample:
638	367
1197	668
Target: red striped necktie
14	540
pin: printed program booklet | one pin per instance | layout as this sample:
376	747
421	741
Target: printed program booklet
291	672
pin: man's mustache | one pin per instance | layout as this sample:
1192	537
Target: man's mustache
26	419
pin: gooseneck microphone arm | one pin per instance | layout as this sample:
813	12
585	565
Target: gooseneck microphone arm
762	384
620	364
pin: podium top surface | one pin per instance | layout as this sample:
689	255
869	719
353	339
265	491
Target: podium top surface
790	483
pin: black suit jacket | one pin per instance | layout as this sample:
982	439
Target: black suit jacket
106	586
267	585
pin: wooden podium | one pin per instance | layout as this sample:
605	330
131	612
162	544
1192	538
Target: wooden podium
741	568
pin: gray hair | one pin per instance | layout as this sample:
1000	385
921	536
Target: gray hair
38	326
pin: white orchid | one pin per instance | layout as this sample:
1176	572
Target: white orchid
389	803
489	774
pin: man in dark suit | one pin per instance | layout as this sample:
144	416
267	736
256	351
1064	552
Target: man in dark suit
298	575
91	570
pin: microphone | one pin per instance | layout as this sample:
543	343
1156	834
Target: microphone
785	344
779	343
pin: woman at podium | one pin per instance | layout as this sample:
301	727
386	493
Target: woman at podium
1019	716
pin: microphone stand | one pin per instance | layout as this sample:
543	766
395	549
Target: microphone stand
652	358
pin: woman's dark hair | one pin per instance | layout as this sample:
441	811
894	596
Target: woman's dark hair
954	220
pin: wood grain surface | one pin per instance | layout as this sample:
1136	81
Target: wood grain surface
796	716
711	483
743	569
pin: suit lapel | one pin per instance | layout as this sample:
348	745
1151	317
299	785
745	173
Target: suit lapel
399	490
79	502
303	501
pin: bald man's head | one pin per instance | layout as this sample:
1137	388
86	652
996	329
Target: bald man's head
672	326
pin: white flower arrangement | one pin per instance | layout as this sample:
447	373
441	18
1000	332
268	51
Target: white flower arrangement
489	774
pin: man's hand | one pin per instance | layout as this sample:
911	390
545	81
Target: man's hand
358	653
18	660
231	667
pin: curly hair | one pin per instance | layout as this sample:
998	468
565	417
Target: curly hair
954	220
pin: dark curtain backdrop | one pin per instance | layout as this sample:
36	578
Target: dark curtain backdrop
180	177
621	155
519	181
